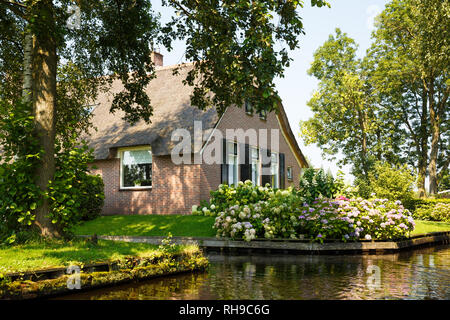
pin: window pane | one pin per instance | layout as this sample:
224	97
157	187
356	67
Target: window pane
136	168
232	148
255	172
136	157
248	107
232	169
274	158
255	153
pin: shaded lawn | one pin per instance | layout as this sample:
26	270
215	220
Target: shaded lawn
423	226
149	225
57	253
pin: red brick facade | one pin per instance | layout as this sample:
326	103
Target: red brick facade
176	188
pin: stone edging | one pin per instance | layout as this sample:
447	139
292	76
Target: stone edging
296	246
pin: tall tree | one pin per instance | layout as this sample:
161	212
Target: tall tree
345	112
230	42
412	45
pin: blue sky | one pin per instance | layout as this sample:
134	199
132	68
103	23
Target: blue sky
355	17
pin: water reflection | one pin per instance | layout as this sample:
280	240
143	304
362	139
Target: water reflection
420	274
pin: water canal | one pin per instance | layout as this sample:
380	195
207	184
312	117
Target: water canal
416	274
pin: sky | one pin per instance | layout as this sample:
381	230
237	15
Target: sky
354	17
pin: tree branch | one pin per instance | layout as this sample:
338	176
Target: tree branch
15	7
179	6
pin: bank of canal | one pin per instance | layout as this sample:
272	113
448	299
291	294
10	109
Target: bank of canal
416	274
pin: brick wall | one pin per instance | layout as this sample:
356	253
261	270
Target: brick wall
176	188
237	118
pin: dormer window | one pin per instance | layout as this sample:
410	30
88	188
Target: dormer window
263	115
248	107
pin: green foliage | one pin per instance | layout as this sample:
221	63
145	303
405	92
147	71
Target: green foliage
438	211
233	47
19	156
226	196
284	215
74	194
346	116
444	180
316	184
274	218
393	183
415	203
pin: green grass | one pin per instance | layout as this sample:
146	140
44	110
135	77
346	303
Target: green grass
186	225
429	226
149	225
45	254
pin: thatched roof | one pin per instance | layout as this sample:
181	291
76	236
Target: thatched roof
172	110
170	99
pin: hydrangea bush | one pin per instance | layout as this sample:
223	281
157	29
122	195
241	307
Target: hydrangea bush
285	214
355	219
226	196
272	218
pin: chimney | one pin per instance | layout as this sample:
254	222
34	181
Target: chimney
157	58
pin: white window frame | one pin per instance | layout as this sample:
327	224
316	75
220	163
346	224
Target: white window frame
120	153
236	163
291	176
248	105
263	115
258	161
277	170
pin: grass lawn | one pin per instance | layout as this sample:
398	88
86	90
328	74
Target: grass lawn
45	254
185	225
430	226
149	225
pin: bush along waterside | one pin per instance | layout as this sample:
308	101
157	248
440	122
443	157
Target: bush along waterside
267	213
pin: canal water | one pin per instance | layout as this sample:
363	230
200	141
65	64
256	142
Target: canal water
418	274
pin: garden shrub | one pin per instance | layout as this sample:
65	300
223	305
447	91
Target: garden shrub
284	216
273	218
356	219
19	155
317	184
415	203
73	193
226	196
393	183
433	211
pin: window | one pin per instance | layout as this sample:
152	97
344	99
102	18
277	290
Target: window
136	168
289	173
232	160
248	107
256	163
274	170
263	114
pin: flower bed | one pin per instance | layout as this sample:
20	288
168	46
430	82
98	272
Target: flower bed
285	214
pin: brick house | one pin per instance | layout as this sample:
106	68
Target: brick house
135	162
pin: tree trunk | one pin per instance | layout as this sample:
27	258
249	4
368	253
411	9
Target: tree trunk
422	149
435	135
362	125
44	99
